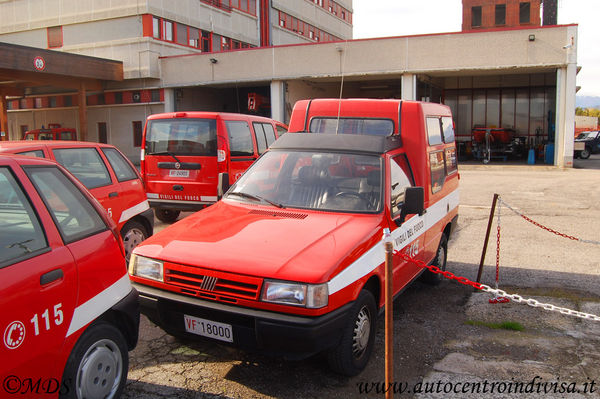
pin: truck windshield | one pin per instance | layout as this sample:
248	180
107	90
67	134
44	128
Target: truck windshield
313	180
182	137
371	126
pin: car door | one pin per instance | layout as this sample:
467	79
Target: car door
39	285
87	165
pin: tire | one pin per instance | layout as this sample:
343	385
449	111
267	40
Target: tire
167	215
98	364
439	261
353	352
132	233
585	154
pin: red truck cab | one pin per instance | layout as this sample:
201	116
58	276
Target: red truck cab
53	132
291	261
184	152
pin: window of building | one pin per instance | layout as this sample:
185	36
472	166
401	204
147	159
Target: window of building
137	133
206	41
194	38
167	31
155	28
524	12
55	36
182	34
476	16
500	14
102	133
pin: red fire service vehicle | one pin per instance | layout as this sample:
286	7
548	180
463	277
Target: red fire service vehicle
184	152
53	132
291	260
69	314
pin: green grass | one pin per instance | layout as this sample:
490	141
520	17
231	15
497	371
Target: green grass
505	325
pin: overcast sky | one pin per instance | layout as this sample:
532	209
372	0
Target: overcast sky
379	18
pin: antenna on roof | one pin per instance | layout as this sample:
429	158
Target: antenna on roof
342	52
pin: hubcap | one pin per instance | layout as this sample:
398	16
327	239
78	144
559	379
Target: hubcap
362	331
131	240
100	371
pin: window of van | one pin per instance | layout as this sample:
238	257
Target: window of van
434	132
451	162
438	170
371	126
265	135
447	129
182	137
400	180
240	139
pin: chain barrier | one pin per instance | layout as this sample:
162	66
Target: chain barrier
547	228
495	291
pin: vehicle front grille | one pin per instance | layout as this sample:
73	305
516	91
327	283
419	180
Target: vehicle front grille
210	284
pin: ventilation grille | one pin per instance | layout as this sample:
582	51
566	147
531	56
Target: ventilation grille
289	215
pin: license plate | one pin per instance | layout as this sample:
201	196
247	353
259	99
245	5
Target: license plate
179	173
208	328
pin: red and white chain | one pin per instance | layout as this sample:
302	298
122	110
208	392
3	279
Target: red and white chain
547	228
495	291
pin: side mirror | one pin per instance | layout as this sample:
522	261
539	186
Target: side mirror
223	184
414	203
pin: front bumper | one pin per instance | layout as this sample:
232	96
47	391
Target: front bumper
290	336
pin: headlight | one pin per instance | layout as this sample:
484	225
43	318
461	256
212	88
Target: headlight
307	295
146	267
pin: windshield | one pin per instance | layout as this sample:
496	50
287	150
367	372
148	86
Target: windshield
586	135
309	180
182	137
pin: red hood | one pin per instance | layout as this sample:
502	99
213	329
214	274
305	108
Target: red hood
294	245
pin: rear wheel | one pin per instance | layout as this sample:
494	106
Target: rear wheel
167	215
439	261
352	354
132	233
97	367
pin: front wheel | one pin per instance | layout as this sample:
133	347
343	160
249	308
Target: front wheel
439	261
132	233
167	215
585	154
97	366
352	353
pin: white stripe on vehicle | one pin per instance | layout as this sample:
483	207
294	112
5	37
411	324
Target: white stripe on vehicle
402	236
90	310
134	210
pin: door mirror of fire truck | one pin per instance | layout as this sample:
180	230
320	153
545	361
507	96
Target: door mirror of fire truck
413	203
223	184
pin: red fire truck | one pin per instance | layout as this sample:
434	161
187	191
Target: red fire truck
291	261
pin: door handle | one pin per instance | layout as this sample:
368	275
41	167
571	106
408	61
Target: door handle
51	276
113	194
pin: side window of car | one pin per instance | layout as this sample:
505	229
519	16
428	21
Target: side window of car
240	139
121	167
434	132
86	164
400	180
73	214
33	153
21	234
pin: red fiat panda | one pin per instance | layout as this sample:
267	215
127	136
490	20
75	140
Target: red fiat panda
69	314
291	261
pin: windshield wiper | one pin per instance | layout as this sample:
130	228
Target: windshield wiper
255	197
166	153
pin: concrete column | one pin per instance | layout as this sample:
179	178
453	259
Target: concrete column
565	116
278	101
82	107
169	100
409	86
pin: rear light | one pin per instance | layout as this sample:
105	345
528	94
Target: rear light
180	114
221	155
